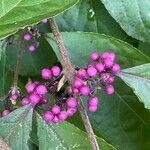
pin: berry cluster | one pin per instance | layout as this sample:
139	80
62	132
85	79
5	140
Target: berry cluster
31	34
37	91
27	37
63	109
99	73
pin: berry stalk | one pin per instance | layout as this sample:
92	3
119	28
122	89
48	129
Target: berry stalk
69	72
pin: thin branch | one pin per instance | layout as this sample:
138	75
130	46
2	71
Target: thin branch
69	72
16	74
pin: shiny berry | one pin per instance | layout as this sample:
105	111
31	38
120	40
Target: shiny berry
45	21
105	55
94	55
27	37
100	67
112	55
41	89
30	87
109	89
92	108
71	111
93	101
48	116
115	68
55	70
81	73
85	90
63	115
34	99
56	119
71	102
31	48
91	71
44	100
56	109
25	101
14	97
77	83
5	112
108	62
46	73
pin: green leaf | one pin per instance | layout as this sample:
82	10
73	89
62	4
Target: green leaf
144	47
31	63
64	136
5	74
127	56
121	119
133	16
89	15
15	128
138	78
20	13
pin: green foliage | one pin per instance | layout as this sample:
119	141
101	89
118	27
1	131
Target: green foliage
15	128
133	16
52	136
112	118
20	13
123	119
138	78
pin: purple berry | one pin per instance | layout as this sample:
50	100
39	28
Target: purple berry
85	90
75	90
41	89
109	89
46	73
105	55
91	71
92	108
48	116
90	65
31	48
100	67
81	73
56	109
71	102
27	37
56	119
108	62
55	70
63	115
14	97
111	79
71	111
104	77
45	21
5	112
77	83
115	68
93	101
112	55
44	100
94	55
34	99
25	101
30	87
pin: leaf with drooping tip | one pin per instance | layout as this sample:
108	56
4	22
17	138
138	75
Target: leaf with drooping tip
138	78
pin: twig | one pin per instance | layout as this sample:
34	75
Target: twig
16	74
69	72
